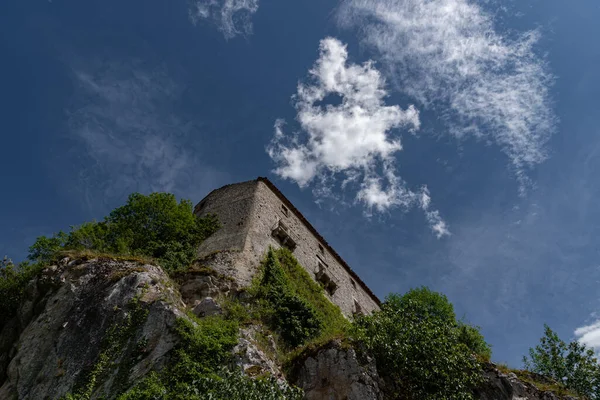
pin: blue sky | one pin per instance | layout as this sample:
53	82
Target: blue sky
447	143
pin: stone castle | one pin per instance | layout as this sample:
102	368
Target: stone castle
255	215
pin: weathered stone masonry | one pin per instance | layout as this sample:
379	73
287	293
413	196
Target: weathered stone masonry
255	215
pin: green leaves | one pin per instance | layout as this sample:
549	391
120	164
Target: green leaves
208	341
154	226
471	337
224	384
417	344
44	249
574	365
292	316
13	281
198	370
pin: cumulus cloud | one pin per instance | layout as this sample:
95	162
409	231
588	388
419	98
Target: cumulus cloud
232	17
589	335
129	135
352	140
447	55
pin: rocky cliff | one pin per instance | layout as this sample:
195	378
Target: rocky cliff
93	328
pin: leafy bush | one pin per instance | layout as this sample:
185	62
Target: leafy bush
225	384
471	337
417	345
154	226
198	369
13	281
205	345
574	365
45	248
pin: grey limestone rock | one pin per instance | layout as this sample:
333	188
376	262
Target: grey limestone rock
507	386
256	357
207	307
62	327
337	373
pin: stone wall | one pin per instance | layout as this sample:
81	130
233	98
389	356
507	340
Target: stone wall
250	212
224	250
312	253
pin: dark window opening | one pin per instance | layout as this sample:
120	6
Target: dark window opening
284	210
353	283
321	249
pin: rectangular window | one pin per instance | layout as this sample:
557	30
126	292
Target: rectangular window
353	283
284	210
321	249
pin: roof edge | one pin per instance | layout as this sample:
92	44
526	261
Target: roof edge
312	229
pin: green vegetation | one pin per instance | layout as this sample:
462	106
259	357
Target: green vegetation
286	299
420	348
198	369
13	281
470	336
573	365
152	226
294	318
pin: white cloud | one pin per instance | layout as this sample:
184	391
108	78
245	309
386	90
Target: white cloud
435	221
447	55
589	335
232	17
352	140
129	136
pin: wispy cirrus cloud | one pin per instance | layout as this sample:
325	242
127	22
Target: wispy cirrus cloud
447	55
353	141
232	17
129	135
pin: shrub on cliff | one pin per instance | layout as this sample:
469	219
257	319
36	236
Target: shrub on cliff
419	347
13	281
574	365
155	225
198	369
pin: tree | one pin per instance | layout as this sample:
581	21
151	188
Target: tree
13	282
417	344
45	248
471	337
155	225
574	365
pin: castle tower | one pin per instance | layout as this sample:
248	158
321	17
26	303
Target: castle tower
255	215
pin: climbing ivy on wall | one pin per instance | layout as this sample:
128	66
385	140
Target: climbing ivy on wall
286	299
